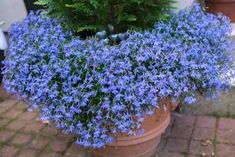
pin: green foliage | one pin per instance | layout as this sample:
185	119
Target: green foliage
95	15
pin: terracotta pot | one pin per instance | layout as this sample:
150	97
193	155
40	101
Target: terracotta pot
227	7
139	146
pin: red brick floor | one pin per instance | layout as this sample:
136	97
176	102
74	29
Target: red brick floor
198	136
23	135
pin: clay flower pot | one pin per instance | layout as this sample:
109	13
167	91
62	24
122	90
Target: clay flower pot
139	146
224	6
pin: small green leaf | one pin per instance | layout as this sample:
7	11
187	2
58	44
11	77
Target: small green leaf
70	5
42	2
88	27
94	3
131	18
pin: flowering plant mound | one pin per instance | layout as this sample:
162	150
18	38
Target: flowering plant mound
97	90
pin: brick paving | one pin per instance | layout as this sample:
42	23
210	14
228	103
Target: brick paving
23	135
198	136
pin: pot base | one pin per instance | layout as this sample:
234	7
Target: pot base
116	153
138	146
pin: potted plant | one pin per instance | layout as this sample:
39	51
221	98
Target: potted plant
115	95
221	6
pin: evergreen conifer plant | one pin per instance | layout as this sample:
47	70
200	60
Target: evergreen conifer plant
96	15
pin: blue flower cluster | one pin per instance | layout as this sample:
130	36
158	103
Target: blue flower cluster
97	90
205	47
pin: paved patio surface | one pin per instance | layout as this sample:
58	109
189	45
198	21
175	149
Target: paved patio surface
22	134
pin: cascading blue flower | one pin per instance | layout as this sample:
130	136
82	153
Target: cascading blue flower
205	46
95	90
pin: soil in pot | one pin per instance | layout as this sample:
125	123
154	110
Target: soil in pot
144	145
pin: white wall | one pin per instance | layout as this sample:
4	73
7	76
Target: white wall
11	11
181	4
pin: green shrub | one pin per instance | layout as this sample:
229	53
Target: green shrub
95	15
